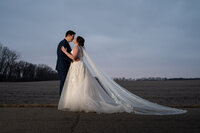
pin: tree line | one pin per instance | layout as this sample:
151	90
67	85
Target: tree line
14	69
152	79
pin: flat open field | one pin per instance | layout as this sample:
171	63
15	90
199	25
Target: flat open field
180	93
33	118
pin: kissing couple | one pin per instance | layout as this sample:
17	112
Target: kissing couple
80	90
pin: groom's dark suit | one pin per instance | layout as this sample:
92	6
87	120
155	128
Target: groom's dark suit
63	62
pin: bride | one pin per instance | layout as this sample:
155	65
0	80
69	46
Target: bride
83	92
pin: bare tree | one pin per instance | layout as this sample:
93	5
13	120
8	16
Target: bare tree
7	61
13	70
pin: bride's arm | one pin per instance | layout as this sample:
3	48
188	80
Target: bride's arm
74	56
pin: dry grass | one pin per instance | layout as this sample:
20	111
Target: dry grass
185	93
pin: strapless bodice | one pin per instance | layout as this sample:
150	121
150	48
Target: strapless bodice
80	54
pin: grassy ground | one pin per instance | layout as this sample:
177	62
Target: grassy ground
171	93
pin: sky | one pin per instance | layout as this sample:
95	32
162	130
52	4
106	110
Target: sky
125	38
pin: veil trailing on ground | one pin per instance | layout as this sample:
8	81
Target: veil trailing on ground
130	101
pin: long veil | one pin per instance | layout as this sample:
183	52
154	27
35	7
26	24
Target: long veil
130	101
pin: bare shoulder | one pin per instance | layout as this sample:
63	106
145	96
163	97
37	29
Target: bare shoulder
76	48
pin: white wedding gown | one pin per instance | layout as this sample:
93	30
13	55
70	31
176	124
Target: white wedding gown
83	92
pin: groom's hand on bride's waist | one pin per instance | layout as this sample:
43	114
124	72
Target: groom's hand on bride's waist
78	59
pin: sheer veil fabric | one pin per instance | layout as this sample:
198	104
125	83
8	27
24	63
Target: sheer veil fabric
83	92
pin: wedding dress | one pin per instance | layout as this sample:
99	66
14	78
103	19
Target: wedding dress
83	92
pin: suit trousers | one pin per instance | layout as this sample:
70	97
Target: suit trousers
62	76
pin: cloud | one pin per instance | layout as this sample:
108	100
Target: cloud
125	38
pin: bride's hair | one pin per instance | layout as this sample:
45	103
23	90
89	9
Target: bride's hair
80	41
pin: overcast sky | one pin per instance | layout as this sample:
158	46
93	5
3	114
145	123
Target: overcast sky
126	38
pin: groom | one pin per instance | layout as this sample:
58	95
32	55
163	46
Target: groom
63	61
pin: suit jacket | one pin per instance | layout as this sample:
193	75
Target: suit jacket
63	61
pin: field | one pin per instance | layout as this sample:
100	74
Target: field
175	93
31	107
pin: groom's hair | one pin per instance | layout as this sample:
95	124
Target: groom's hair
69	32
